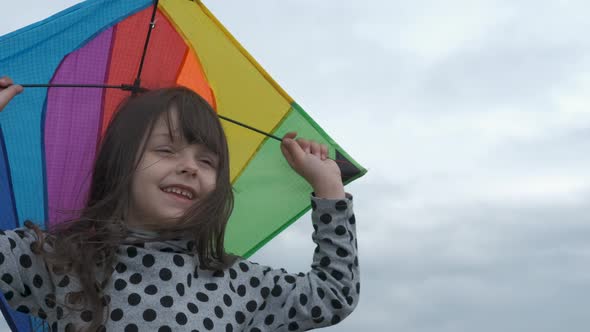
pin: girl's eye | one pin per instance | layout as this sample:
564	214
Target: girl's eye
207	161
165	150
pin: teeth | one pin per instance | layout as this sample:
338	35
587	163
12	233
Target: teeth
179	191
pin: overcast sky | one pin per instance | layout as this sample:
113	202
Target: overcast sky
473	119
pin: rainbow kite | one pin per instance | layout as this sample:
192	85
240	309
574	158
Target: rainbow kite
48	136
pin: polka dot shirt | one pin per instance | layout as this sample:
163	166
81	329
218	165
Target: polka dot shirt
159	286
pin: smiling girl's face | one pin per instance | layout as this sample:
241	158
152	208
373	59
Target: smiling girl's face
172	176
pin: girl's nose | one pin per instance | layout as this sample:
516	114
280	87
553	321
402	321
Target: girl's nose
190	171
187	165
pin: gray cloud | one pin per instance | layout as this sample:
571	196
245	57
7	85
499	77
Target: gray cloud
473	214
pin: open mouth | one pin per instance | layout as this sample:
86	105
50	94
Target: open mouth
182	193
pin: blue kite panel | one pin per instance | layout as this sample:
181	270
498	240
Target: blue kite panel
32	55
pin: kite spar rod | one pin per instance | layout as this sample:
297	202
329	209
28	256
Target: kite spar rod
137	83
136	87
124	87
249	127
127	87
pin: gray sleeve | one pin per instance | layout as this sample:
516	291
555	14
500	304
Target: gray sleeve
24	277
326	294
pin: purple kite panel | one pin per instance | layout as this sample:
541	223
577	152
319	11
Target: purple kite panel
71	127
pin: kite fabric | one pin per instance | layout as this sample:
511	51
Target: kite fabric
49	136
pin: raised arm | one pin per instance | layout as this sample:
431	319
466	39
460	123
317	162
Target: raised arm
324	296
329	292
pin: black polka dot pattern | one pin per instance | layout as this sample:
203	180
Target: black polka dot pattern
161	287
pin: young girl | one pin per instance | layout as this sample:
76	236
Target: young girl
147	253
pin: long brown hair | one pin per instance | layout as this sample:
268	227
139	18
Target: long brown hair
86	246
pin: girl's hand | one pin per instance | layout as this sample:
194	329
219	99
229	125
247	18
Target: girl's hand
310	160
8	91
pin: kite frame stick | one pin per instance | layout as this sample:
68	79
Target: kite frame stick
136	87
137	83
127	87
124	87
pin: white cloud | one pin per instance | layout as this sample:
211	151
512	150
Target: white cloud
431	30
574	98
